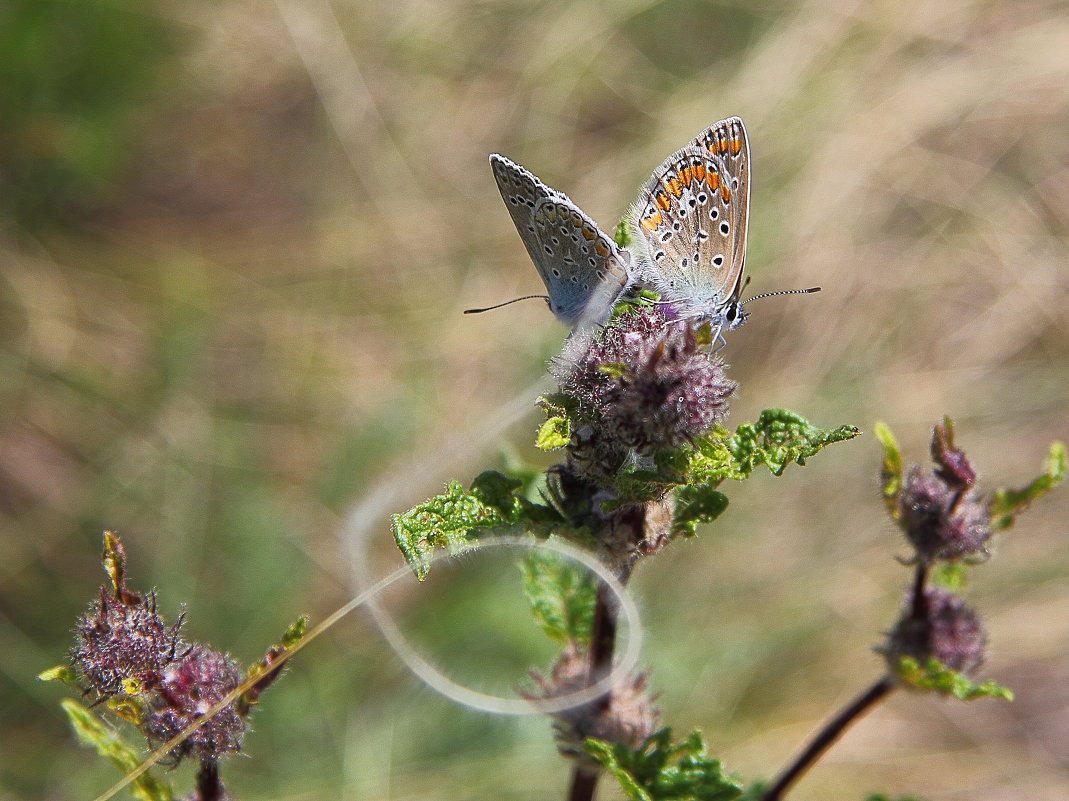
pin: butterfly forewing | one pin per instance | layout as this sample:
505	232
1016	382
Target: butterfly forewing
521	192
584	271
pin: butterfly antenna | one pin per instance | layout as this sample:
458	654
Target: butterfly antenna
805	291
506	303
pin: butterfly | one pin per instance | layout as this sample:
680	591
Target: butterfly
690	226
584	270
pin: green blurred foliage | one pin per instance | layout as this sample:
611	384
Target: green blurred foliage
74	81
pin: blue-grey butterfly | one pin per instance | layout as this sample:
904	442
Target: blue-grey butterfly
690	225
584	270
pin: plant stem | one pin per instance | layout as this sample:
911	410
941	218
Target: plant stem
584	782
209	788
602	646
831	732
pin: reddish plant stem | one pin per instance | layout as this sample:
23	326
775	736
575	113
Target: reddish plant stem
831	732
209	788
584	782
602	646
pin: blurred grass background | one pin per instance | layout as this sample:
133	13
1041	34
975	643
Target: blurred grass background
235	241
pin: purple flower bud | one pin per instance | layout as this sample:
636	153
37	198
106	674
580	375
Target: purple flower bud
640	385
954	467
941	521
190	687
119	641
629	716
946	630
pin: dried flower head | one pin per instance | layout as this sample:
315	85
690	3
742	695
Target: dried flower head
944	629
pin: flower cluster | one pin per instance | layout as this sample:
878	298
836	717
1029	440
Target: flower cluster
627	715
945	629
124	648
941	513
638	386
946	520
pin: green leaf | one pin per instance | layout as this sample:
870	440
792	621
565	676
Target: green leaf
95	733
936	677
696	503
62	674
1010	503
778	438
454	519
624	234
950	576
891	474
659	770
295	633
553	434
562	595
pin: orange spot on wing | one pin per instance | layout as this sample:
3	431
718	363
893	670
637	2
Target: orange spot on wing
600	249
674	186
725	193
650	223
699	172
714	180
664	203
588	232
736	145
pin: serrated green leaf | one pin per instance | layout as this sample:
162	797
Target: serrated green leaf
554	434
936	677
1010	503
95	733
778	438
454	519
445	521
562	595
695	504
891	474
661	771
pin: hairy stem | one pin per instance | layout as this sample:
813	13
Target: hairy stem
827	736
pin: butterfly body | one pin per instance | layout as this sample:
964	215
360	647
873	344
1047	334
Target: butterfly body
584	270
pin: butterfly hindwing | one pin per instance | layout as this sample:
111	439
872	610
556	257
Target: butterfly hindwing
584	270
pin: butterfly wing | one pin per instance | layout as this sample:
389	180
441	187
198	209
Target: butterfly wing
691	217
584	271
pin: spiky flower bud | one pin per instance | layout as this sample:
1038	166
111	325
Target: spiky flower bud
942	522
640	385
942	627
189	688
122	642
